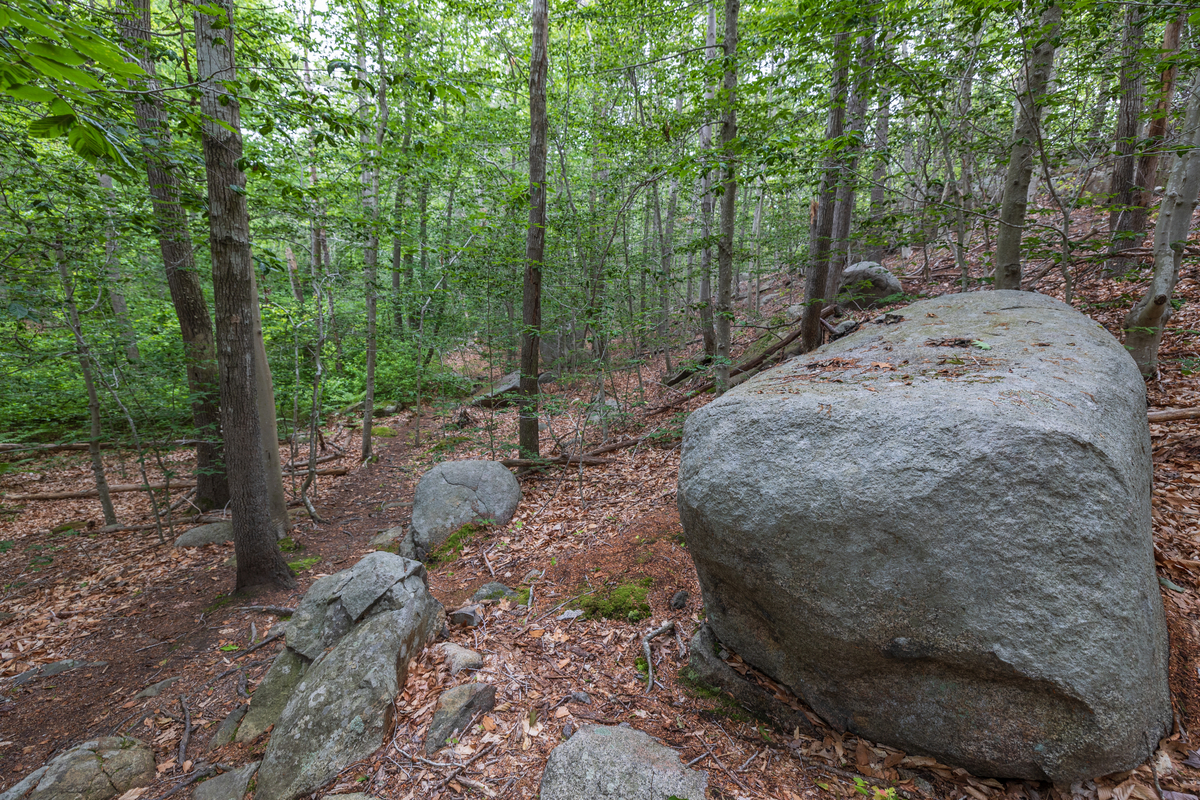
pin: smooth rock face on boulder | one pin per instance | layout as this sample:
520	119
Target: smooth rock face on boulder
95	770
867	283
503	392
212	533
621	763
937	532
458	493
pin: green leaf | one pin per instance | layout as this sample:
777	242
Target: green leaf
64	55
229	648
32	93
52	126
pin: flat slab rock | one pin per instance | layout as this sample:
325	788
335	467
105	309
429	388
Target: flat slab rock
618	763
455	709
95	770
936	531
228	785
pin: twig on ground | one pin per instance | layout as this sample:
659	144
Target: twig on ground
282	611
670	626
460	767
263	643
724	769
187	730
202	772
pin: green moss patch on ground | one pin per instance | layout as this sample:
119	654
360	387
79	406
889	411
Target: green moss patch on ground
452	548
627	602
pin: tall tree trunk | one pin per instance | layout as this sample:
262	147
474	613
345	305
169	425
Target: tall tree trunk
883	116
1122	186
843	208
535	237
707	331
372	147
251	446
1145	322
1163	95
1038	67
728	196
89	384
822	221
179	263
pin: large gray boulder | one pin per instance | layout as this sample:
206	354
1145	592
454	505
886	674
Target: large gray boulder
937	532
867	283
458	493
95	770
619	763
342	709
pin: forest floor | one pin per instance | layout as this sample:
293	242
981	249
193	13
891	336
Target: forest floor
152	612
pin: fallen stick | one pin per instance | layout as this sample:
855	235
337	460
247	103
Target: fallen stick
135	487
282	611
1173	414
201	772
460	767
187	730
724	769
670	626
557	460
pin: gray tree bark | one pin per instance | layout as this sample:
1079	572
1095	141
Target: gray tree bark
247	403
707	331
1038	66
535	237
728	196
1156	133
1122	186
1146	320
179	263
822	221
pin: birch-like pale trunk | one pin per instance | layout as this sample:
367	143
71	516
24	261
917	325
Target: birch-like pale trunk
724	313
1146	320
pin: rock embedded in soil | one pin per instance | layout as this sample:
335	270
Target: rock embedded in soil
55	668
212	533
944	548
95	770
272	695
680	599
493	591
454	712
228	785
460	658
155	689
455	494
342	709
617	762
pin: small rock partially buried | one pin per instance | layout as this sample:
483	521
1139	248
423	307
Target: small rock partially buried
617	762
228	785
455	709
460	658
155	689
212	533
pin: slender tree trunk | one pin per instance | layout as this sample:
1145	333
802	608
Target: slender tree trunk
1163	95
1038	67
116	295
1122	186
251	446
728	196
822	222
883	116
372	147
83	354
535	238
183	280
707	330
1145	322
843	208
